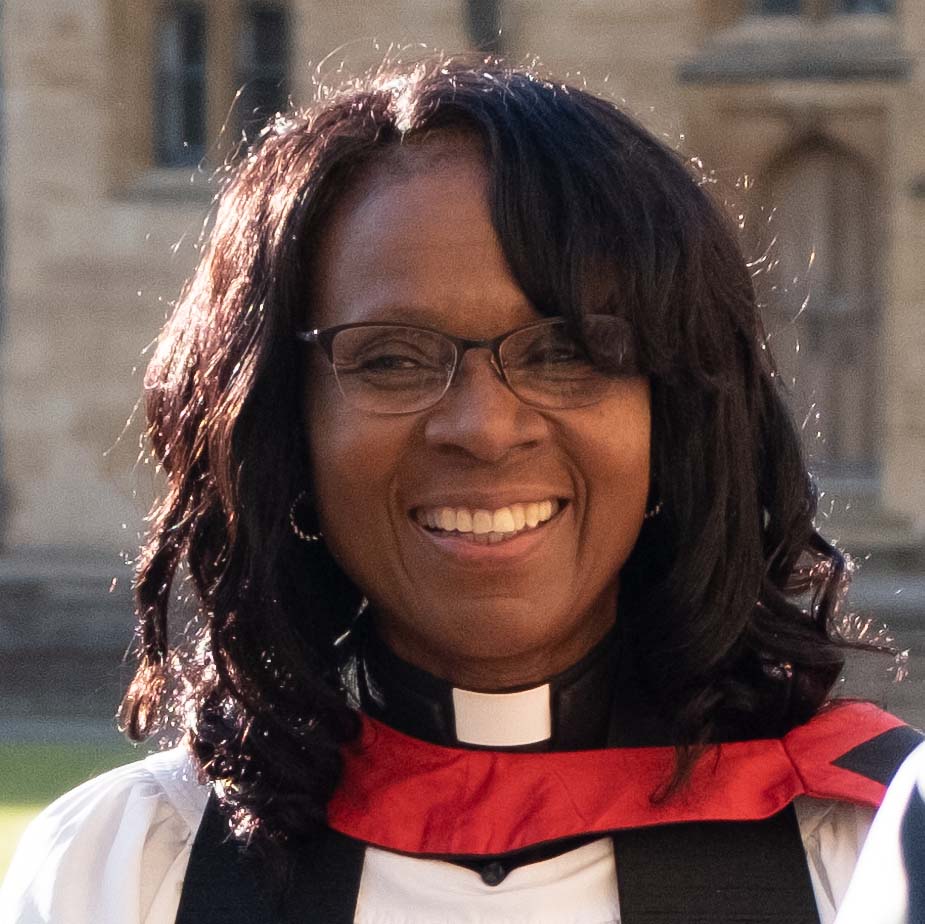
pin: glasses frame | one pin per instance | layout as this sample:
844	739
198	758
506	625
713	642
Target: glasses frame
324	338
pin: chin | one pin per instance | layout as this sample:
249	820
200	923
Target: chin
505	649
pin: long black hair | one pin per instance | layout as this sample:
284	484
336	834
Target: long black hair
728	602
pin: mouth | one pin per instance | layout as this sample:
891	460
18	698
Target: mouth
488	527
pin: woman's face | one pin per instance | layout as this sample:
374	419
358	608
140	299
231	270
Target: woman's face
418	246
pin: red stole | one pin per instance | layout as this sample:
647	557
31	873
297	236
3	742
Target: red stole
407	795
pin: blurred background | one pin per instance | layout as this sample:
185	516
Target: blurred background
807	115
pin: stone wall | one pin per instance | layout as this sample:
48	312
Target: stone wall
88	275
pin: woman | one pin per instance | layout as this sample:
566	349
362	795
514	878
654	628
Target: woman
497	520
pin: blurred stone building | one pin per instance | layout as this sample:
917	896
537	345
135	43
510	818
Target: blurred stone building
809	113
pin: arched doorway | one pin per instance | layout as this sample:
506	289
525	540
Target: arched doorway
822	301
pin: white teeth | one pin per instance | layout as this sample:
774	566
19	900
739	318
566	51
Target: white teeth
502	521
446	518
488	525
481	522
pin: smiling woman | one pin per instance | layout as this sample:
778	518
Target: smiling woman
419	243
511	602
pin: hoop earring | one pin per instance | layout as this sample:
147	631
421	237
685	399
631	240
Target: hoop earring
653	512
294	523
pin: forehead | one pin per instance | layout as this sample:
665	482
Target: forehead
413	241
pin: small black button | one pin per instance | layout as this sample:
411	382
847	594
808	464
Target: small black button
493	873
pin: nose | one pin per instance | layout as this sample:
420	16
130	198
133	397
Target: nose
480	416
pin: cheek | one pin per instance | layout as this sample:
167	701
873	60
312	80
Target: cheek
340	459
620	438
353	463
616	456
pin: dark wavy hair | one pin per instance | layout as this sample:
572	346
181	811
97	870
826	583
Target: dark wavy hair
728	603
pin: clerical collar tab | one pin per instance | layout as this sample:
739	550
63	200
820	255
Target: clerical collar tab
503	719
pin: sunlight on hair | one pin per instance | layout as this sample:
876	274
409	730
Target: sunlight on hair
403	90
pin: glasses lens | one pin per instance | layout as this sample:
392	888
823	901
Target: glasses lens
388	369
548	366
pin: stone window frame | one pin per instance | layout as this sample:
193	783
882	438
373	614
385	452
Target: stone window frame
131	147
179	130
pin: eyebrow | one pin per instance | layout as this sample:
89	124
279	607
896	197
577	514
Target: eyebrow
420	315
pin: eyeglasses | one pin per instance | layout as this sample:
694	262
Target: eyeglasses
385	368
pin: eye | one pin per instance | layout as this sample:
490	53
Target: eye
562	353
559	351
389	362
393	356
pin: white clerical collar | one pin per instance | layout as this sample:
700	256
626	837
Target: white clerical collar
566	712
503	719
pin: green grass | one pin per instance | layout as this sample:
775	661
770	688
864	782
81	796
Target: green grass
32	775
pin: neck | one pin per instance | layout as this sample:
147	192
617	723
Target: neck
569	711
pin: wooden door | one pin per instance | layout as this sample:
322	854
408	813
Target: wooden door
822	310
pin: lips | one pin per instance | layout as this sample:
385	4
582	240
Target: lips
484	526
